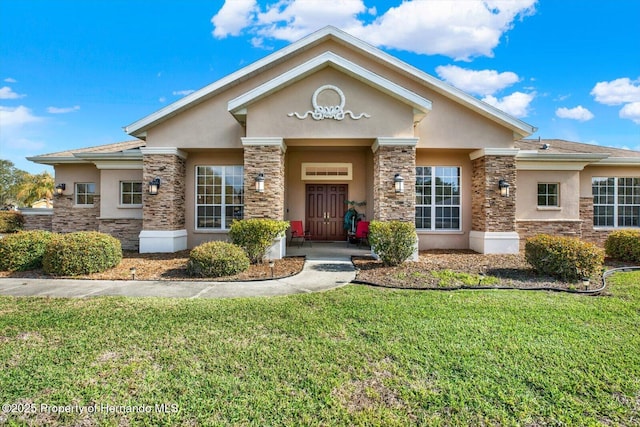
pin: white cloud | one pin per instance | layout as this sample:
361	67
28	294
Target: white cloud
17	116
56	110
516	104
577	113
616	92
10	80
233	17
458	29
481	82
162	99
631	111
7	93
183	92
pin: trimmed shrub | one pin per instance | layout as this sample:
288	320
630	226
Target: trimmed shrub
566	258
623	245
11	221
256	235
393	241
82	252
217	259
23	250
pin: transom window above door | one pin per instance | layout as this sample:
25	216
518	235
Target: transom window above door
327	171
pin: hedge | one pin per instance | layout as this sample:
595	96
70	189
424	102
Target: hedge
256	235
393	241
11	221
566	258
24	250
623	245
217	259
82	252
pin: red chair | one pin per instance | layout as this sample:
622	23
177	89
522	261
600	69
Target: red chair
362	232
297	232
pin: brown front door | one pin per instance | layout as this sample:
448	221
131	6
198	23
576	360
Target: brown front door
325	211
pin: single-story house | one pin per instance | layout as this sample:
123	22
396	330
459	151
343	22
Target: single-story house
330	119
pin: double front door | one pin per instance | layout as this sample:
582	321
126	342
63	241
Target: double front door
325	207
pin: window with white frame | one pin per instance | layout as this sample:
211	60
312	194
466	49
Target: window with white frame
130	193
548	194
85	192
438	198
219	196
616	201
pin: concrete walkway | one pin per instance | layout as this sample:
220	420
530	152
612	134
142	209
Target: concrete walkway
327	266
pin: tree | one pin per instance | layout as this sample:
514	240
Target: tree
11	178
35	187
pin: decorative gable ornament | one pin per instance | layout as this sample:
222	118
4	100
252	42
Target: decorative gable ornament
335	112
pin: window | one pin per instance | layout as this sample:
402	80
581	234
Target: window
219	196
84	193
327	171
130	193
548	194
616	202
438	198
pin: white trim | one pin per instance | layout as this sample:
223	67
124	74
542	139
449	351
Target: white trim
520	128
619	161
493	152
162	241
119	165
253	141
546	165
163	150
385	141
495	242
239	104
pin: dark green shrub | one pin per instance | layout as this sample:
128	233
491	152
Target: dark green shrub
11	221
393	241
566	258
23	250
217	259
256	235
83	252
623	245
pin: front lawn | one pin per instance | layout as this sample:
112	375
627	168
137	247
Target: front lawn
352	356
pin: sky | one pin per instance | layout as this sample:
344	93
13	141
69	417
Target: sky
74	73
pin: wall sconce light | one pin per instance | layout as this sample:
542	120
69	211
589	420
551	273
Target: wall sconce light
260	183
154	185
398	182
60	189
504	188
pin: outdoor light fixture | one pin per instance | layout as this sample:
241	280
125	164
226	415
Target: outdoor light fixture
398	181
153	186
60	188
504	188
260	183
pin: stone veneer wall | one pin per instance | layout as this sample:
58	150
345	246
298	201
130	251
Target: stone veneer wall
269	160
38	219
166	210
388	160
491	212
529	228
588	232
68	218
126	230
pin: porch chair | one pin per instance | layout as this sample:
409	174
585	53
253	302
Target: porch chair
362	232
297	232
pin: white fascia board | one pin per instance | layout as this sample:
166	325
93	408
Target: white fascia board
536	161
237	105
163	150
619	161
493	152
393	142
52	160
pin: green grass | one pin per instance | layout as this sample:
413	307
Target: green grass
352	356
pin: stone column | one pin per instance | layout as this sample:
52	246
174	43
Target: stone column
392	156
493	222
266	156
163	215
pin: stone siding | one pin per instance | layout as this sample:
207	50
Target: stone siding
388	160
489	210
269	160
166	210
589	233
68	218
530	228
126	230
38	219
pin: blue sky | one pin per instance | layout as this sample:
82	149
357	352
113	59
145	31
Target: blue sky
74	73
